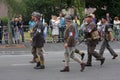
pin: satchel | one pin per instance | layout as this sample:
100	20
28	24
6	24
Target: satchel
95	35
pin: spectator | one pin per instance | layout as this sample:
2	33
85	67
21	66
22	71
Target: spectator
16	31
20	23
31	24
99	27
61	27
116	28
45	30
94	19
6	36
1	31
55	30
12	29
109	19
76	20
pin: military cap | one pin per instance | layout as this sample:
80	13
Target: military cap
36	14
68	18
89	16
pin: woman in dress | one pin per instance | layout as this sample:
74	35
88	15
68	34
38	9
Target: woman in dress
55	30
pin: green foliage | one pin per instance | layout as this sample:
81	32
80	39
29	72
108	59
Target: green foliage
48	7
5	20
113	7
45	7
80	7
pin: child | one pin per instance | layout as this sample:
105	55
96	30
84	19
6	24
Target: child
6	36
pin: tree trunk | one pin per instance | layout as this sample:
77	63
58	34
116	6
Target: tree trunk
9	28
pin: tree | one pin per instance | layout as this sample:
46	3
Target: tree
104	6
80	7
13	8
46	7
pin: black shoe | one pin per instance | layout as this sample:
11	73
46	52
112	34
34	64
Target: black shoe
63	60
66	69
38	66
82	66
114	57
82	56
88	65
102	61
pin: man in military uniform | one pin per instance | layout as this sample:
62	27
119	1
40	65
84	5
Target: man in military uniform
91	36
107	36
69	44
38	41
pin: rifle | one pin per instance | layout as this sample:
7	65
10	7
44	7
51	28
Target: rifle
81	41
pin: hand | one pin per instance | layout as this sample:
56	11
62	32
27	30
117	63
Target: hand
112	40
30	40
65	45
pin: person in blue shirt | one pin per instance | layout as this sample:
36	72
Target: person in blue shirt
61	27
31	24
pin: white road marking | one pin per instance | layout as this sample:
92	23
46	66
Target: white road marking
22	64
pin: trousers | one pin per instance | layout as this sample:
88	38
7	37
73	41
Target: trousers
104	45
91	52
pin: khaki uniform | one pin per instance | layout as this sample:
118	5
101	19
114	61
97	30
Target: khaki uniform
38	43
92	40
70	40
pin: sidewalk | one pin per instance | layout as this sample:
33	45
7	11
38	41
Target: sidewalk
25	48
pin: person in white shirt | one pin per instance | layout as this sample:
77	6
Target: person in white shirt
116	28
55	29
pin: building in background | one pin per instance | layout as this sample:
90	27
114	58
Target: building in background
3	9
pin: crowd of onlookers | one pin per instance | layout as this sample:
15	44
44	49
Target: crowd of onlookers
114	23
16	30
58	26
54	30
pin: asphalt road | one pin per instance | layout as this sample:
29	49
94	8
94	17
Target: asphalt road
17	67
14	65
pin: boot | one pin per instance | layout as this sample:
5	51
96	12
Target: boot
42	67
102	61
66	69
114	57
82	67
82	54
38	66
